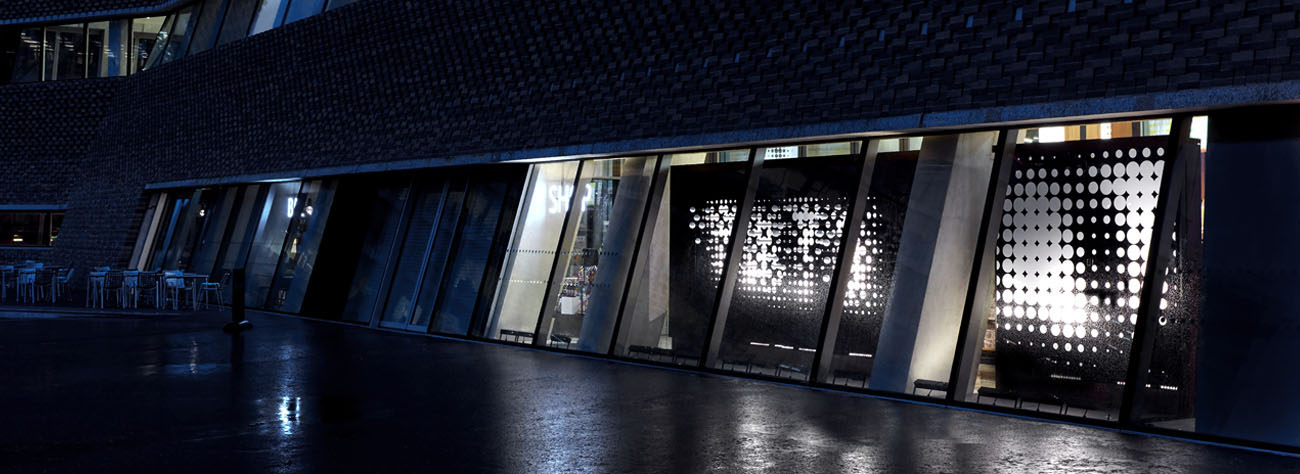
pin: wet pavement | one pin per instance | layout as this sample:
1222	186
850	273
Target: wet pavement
175	394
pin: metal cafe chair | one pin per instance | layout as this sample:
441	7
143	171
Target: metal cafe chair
62	279
6	277
45	286
27	285
113	284
214	288
147	284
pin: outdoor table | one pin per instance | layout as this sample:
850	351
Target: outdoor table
94	281
193	280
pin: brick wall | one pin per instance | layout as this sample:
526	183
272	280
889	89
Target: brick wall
20	9
386	80
44	135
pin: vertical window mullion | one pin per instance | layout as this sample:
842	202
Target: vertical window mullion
1144	331
823	358
731	265
653	200
569	227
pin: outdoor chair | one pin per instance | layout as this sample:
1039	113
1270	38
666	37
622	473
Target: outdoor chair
113	285
214	288
147	284
62	280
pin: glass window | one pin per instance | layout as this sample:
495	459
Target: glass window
1169	398
190	220
217	221
208	26
521	291
1228	318
587	284
783	279
439	253
65	52
273	226
29	228
1068	263
145	33
310	212
376	248
902	300
300	9
411	260
169	218
159	45
179	39
675	282
27	60
476	238
871	276
234	250
109	48
269	15
239	16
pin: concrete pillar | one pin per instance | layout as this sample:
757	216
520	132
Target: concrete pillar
934	260
616	249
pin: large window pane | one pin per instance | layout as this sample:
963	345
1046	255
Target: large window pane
145	33
1224	348
65	52
238	18
110	48
475	239
679	266
595	256
159	45
440	253
269	14
783	280
27	56
300	9
867	293
239	237
412	257
371	265
179	38
273	226
170	215
1069	258
297	259
207	27
218	218
189	227
521	291
910	268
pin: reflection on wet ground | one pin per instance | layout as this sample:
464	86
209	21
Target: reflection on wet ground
175	394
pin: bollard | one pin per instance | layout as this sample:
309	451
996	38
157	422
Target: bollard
237	321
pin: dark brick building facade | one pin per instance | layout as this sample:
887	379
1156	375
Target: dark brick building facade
388	80
402	85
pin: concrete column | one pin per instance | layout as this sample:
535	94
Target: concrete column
934	260
616	250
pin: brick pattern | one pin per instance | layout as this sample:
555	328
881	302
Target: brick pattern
22	9
44	136
384	80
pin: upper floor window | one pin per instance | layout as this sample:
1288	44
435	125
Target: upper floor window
77	50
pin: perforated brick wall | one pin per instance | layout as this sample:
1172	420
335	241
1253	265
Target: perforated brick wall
385	80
